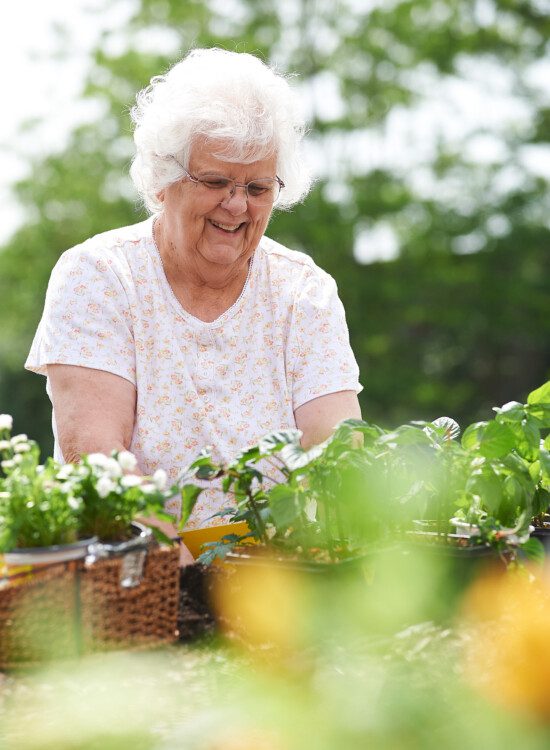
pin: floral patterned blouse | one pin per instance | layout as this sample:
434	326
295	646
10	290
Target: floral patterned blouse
225	383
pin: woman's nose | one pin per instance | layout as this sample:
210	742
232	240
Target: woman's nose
236	202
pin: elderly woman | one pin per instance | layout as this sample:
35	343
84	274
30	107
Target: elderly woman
192	328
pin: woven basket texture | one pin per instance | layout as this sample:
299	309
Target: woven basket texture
72	609
115	617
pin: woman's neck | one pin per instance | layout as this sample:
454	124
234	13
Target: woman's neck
205	290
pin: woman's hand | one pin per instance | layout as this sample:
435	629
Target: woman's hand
318	418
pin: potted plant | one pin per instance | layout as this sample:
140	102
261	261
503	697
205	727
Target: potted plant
71	528
340	498
281	493
508	480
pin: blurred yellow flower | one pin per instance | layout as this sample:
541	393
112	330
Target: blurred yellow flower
262	604
508	657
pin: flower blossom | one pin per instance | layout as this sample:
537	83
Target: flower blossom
104	486
97	459
19	439
130	480
6	422
127	460
21	448
113	468
159	479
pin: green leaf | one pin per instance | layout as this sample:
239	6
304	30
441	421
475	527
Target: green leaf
513	411
538	404
189	496
527	433
203	467
214	551
492	439
472	433
405	435
284	506
274	441
533	549
295	457
345	431
489	487
540	395
541	501
544	459
161	537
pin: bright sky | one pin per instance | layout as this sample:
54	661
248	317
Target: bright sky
36	85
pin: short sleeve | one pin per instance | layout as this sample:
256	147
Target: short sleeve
320	358
86	319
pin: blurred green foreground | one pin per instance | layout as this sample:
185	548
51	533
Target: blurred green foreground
394	656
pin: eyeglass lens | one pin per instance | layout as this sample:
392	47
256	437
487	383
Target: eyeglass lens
261	191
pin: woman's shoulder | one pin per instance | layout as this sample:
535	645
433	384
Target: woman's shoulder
295	263
113	248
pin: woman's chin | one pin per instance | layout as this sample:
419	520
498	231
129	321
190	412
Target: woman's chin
225	253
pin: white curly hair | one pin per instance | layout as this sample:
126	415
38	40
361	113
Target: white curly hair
241	106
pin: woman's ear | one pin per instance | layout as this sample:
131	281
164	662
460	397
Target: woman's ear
160	196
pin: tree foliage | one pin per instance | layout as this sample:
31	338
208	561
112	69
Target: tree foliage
459	319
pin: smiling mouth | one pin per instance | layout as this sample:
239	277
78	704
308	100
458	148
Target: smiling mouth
228	228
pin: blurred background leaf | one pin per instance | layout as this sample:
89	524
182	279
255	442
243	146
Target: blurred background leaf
430	124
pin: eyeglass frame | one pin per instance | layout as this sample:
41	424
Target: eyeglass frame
199	181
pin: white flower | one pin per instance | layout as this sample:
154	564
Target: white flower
310	509
127	460
64	472
74	503
270	530
97	459
39	469
148	488
8	464
112	467
6	422
19	439
104	486
159	479
4	445
17	459
21	448
130	480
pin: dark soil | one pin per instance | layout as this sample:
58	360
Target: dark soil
195	615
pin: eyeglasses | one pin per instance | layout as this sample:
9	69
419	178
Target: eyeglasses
263	191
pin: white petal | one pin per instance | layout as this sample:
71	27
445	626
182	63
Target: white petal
127	460
130	480
6	421
159	479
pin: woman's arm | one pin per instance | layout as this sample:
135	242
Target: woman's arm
94	413
318	418
94	410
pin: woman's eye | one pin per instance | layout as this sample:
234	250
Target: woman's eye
258	188
215	183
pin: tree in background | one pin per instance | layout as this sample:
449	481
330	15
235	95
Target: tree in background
430	124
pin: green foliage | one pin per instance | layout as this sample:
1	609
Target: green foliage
36	510
51	504
366	485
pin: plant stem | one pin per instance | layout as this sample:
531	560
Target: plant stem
259	522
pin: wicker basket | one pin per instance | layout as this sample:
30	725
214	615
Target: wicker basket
71	609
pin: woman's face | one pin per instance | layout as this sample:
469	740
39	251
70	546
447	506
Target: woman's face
206	229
